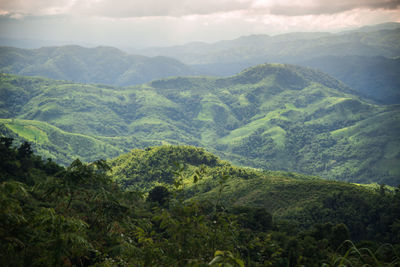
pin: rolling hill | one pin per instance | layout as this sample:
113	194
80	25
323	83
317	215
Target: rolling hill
289	48
377	78
365	59
197	208
285	195
142	169
272	116
104	65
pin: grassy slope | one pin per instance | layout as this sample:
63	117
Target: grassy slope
61	146
272	116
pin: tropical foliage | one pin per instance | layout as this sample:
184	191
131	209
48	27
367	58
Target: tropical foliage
56	216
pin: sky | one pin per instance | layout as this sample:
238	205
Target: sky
143	23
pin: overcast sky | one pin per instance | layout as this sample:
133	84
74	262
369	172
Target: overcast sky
139	23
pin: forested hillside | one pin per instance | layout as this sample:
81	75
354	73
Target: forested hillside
272	116
366	60
377	78
291	47
242	133
104	65
79	215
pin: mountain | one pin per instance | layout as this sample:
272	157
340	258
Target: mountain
377	77
103	65
63	147
377	27
143	169
366	59
301	199
80	215
272	116
286	48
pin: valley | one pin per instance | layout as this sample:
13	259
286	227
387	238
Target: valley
272	117
259	150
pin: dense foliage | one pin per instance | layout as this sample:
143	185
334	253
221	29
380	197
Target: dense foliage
277	117
56	216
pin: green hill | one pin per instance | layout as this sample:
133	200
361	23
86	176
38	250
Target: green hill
375	77
214	213
143	169
291	47
272	116
286	195
365	59
105	65
63	147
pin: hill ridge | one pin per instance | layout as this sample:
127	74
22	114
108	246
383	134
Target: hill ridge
276	117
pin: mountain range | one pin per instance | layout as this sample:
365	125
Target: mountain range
366	60
108	158
104	65
100	102
272	116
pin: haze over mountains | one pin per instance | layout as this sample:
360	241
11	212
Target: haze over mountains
366	59
249	150
271	116
105	65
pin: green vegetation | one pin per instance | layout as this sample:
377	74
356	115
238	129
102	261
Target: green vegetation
377	78
367	61
273	116
105	65
60	146
79	216
169	202
292	47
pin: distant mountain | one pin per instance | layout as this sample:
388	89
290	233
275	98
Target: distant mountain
378	27
272	116
286	48
366	59
104	65
377	78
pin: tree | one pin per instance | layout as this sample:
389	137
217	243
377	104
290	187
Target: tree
159	194
25	150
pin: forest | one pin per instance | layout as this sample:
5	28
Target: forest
263	150
271	116
87	215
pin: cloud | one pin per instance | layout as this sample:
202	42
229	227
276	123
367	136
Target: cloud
122	8
179	8
156	8
35	7
319	7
